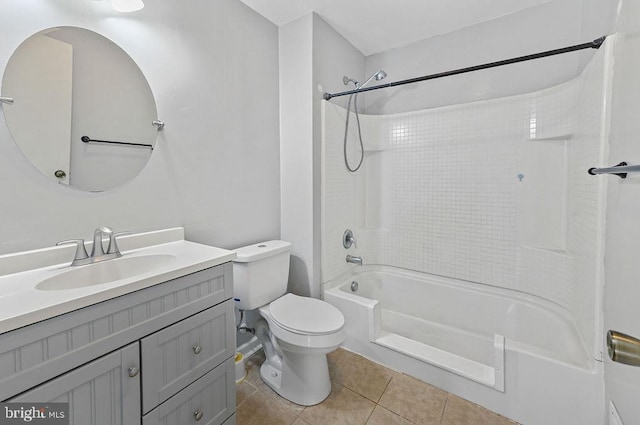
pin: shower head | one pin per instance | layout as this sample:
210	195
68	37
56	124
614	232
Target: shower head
379	75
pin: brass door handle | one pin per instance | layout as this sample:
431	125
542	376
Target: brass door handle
623	348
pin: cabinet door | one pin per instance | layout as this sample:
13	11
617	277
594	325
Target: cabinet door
99	393
178	355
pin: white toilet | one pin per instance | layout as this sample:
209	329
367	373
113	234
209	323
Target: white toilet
296	332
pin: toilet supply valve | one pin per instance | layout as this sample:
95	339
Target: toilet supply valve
348	239
243	327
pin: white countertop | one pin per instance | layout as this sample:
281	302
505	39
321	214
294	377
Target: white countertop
22	304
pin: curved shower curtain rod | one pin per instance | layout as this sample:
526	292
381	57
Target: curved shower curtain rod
595	44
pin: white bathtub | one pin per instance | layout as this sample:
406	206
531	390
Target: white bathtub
516	354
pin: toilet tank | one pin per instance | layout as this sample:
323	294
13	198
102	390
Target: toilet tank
260	273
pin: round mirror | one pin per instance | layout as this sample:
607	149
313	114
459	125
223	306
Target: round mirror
79	108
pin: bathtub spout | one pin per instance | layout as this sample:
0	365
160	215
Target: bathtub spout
355	260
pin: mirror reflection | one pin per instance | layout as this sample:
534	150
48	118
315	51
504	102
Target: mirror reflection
74	91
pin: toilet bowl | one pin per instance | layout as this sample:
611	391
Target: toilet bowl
296	332
301	331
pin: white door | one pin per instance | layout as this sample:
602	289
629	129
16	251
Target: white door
622	253
39	79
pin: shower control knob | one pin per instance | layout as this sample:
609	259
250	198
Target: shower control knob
348	239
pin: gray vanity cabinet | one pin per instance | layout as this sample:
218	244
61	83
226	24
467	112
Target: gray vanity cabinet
101	392
163	355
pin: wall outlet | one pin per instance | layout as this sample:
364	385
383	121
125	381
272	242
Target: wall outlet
614	416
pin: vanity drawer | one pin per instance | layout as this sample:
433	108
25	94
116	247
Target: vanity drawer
208	401
178	355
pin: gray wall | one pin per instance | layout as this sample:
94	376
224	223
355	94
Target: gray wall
213	68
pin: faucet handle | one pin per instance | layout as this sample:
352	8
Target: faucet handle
348	239
81	251
113	244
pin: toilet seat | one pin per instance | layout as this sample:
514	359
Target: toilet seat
291	335
306	316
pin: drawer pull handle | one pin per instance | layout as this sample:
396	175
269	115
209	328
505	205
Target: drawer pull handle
198	414
197	348
133	371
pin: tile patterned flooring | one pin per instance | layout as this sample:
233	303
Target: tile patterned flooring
362	393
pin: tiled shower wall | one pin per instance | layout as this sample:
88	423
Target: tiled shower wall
493	192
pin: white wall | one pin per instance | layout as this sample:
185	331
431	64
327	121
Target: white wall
540	28
313	60
622	267
213	68
439	192
548	26
333	58
296	151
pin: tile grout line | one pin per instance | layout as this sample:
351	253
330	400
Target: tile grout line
444	408
370	414
250	395
386	386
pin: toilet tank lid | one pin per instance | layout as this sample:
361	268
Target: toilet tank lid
261	250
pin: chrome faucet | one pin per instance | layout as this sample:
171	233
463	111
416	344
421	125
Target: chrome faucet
355	260
97	251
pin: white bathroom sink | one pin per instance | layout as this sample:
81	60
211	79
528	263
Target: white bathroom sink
40	284
105	272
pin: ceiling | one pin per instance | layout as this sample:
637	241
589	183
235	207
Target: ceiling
374	26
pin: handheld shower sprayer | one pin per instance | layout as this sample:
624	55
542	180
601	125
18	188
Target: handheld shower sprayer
379	75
